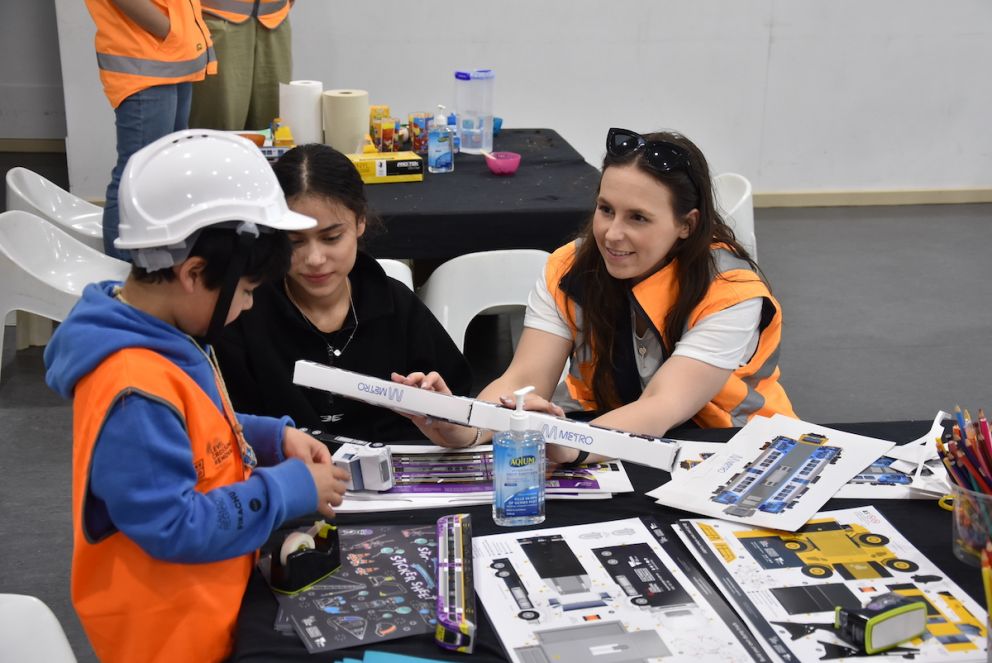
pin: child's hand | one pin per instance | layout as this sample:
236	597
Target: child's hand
331	482
297	444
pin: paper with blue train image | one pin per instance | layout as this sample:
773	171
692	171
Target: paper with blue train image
786	585
775	472
623	590
385	589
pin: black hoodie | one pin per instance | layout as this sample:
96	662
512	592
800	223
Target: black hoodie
396	332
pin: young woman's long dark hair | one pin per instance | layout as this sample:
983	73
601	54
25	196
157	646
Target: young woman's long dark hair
604	300
319	170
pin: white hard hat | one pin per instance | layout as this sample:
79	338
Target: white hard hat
196	178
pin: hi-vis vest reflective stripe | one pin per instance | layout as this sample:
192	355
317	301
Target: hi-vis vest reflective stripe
269	13
132	606
131	59
752	389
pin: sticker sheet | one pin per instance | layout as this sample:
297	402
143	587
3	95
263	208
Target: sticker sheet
773	473
428	476
385	589
787	584
624	590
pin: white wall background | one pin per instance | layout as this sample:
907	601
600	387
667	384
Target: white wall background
798	95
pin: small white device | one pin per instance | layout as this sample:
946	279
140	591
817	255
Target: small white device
370	465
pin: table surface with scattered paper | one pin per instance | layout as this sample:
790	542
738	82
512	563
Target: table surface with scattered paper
920	522
542	206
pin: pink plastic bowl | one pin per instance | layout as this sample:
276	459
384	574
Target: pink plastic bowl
503	163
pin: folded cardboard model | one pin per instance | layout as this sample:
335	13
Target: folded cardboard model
641	449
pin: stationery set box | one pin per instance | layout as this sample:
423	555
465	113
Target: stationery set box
653	452
381	167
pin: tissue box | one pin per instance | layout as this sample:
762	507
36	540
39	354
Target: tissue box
380	167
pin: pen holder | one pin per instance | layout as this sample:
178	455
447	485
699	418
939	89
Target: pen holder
971	524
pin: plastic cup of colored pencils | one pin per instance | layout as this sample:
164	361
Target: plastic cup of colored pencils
972	524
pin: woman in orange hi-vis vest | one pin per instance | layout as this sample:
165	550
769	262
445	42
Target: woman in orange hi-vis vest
253	40
148	53
663	314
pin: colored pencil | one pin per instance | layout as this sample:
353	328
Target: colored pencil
987	574
981	486
986	433
977	458
952	469
959	415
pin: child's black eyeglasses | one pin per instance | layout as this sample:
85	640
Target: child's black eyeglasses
659	154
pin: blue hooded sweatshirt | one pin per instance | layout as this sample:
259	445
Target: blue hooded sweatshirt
142	479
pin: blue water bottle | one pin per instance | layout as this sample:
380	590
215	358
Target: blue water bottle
518	471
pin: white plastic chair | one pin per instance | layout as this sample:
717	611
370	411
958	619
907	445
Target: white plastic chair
398	269
30	632
486	282
734	198
43	270
30	192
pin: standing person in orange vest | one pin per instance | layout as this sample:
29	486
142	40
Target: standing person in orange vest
148	52
663	314
173	491
253	41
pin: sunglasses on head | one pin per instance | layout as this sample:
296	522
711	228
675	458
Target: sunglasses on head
659	154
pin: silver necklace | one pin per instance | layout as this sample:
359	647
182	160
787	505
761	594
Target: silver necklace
332	352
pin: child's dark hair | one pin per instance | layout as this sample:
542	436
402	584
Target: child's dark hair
268	260
319	170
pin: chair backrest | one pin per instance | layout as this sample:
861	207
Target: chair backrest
43	270
30	192
734	198
398	270
30	632
475	283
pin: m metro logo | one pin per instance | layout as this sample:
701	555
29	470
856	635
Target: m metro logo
394	394
554	434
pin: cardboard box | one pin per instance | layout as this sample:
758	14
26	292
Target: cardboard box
380	167
384	393
641	449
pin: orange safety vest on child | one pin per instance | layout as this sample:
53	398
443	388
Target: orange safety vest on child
132	606
132	59
751	389
270	13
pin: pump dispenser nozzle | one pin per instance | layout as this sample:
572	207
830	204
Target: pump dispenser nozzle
518	420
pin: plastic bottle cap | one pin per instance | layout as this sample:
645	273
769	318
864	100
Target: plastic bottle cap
518	420
440	120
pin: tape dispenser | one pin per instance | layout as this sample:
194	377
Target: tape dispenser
886	621
305	557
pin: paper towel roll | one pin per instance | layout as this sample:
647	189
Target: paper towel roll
299	107
346	119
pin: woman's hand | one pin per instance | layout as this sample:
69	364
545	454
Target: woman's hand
297	444
441	433
532	403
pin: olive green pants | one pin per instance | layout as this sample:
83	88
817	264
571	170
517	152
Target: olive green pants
251	62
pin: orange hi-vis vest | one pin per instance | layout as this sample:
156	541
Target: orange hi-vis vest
132	606
751	389
132	59
269	13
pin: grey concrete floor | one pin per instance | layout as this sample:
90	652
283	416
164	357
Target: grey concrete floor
886	318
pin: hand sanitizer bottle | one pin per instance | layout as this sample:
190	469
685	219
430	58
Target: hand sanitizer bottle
518	471
440	145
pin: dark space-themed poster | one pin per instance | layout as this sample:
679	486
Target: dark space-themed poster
385	589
